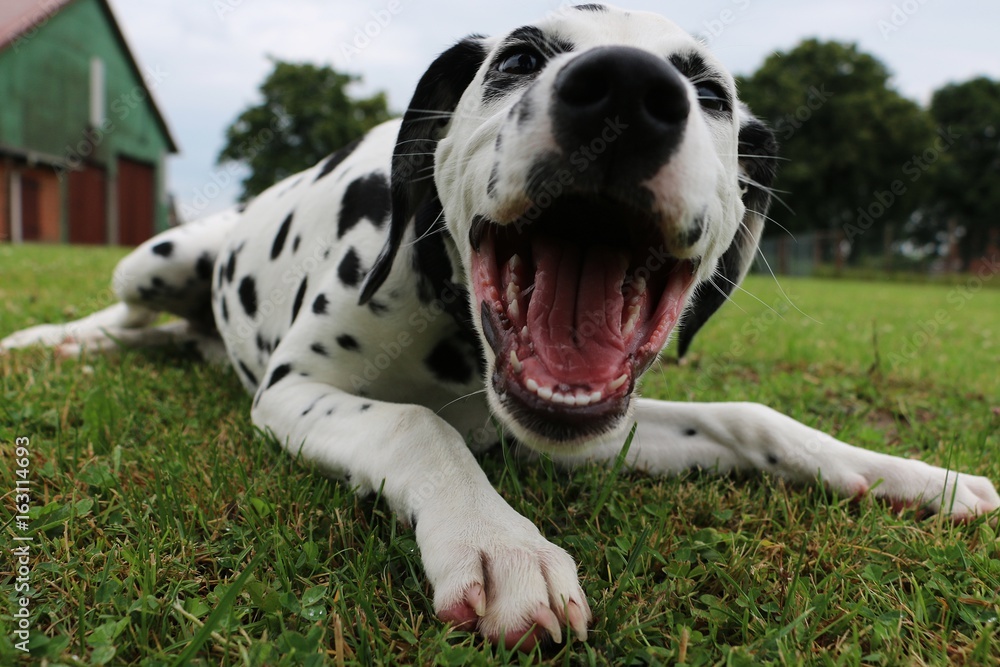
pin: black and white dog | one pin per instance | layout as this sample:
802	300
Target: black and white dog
553	204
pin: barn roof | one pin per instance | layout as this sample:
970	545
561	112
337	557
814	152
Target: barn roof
20	17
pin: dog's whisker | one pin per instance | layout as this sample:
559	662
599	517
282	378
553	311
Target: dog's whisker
775	223
725	295
782	289
771	191
460	398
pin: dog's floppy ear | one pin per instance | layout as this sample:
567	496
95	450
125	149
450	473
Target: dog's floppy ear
412	182
757	150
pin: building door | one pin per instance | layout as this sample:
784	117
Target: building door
31	209
136	201
88	206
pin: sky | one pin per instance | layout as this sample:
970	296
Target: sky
210	56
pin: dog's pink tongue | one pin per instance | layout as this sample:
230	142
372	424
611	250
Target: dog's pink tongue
575	312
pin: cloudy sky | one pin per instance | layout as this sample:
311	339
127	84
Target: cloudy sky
212	54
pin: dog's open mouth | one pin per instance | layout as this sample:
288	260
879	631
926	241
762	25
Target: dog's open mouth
576	305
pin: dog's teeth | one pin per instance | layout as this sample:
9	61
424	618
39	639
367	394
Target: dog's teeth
514	263
639	285
558	398
514	310
524	332
633	319
583	400
545	392
619	383
513	292
532	386
596	397
515	363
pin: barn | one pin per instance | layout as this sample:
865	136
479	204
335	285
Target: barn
82	142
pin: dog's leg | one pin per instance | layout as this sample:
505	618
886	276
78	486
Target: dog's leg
118	317
170	273
674	437
488	564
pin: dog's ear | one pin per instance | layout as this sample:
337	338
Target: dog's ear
429	113
758	148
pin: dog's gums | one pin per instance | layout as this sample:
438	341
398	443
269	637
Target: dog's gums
576	305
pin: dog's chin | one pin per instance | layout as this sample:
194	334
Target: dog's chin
564	432
575	306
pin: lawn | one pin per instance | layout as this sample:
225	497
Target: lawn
166	531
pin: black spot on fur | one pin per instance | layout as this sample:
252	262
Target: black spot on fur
301	294
348	342
320	350
262	344
203	267
248	296
279	240
311	407
690	432
496	84
525	112
377	308
295	244
366	407
591	8
334	160
231	268
225	310
491	185
158	282
319	305
248	373
279	374
449	363
164	249
349	270
691	236
330	411
366	198
772	459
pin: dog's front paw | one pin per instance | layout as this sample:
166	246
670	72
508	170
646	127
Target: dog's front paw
962	497
495	572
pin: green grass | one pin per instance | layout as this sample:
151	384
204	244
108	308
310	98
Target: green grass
152	495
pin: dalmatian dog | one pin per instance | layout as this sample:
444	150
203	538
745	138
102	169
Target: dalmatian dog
519	247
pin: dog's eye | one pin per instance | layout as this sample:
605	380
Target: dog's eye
712	97
520	63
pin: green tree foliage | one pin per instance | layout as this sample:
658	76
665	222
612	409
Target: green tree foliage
306	114
847	137
967	187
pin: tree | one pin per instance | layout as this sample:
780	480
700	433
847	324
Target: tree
306	114
848	140
966	189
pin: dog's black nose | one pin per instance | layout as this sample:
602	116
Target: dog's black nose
627	102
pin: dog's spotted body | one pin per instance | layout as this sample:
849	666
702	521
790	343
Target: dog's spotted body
553	204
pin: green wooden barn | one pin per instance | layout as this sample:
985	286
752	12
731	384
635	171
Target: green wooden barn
82	142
